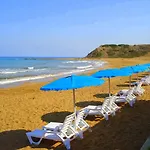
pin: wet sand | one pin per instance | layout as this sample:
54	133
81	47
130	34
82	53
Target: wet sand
25	108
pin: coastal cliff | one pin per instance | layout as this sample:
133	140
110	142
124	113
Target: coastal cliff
119	50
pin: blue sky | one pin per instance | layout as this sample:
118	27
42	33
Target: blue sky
70	27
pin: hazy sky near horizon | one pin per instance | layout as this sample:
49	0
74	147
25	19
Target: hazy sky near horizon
70	27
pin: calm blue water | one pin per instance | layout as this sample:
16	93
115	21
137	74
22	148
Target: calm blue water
16	69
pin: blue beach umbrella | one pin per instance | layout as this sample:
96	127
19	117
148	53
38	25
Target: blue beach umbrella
128	69
134	69
139	68
109	73
147	64
71	83
146	67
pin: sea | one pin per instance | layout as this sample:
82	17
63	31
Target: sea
21	69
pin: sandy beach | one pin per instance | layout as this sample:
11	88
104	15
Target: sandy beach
25	108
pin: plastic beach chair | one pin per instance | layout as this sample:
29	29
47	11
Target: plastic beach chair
126	96
107	108
65	133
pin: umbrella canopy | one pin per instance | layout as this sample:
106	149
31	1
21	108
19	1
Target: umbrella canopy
139	68
147	64
127	69
109	73
72	82
134	69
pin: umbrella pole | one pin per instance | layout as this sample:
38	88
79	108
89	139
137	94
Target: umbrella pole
130	81
137	76
74	99
109	86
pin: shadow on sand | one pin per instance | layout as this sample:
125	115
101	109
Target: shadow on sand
101	95
17	139
128	130
86	103
123	85
13	139
55	116
131	81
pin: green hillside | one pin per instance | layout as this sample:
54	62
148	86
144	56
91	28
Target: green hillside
120	50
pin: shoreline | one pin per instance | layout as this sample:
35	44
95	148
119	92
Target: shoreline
24	108
12	82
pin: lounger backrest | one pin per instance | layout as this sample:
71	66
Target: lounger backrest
80	123
106	101
112	99
130	91
67	129
83	112
140	84
106	106
80	114
110	103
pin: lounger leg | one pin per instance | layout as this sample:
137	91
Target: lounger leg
106	116
67	144
113	114
81	135
131	103
89	129
32	142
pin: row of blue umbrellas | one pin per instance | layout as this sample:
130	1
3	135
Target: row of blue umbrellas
124	71
74	82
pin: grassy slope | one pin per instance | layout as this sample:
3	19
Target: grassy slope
119	51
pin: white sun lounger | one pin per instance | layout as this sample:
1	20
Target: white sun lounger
137	90
107	108
126	96
146	80
112	105
65	134
79	125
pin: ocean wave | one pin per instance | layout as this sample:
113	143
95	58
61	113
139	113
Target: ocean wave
84	67
35	74
30	68
21	79
12	71
31	78
15	71
76	61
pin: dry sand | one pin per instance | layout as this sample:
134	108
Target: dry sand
25	108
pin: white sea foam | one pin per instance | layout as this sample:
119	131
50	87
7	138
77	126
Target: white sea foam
84	67
78	61
30	67
22	79
8	81
67	70
15	71
12	71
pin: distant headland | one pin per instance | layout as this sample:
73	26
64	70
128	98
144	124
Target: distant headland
119	51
